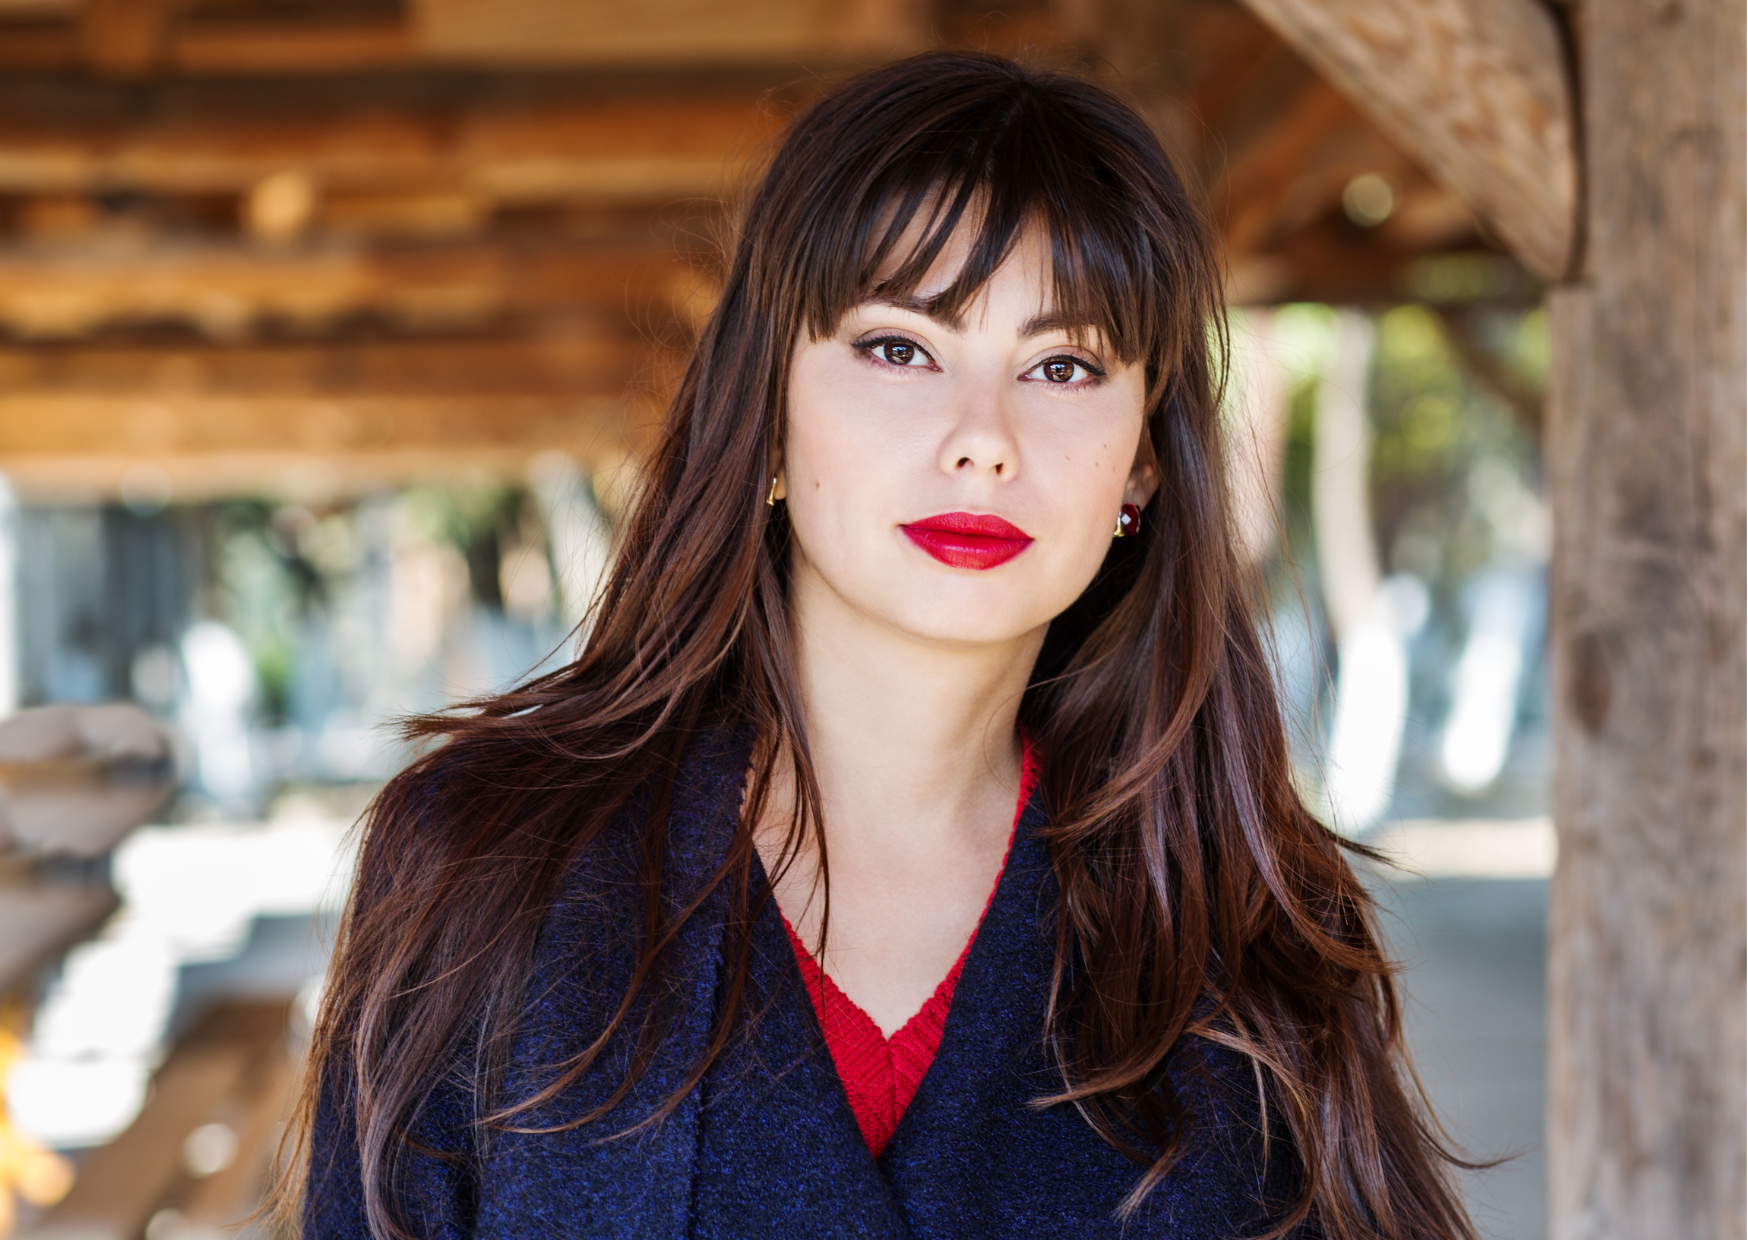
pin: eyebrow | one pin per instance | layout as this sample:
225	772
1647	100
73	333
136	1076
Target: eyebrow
1037	325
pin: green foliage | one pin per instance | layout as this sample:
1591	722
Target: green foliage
473	515
272	567
259	596
1436	429
1452	467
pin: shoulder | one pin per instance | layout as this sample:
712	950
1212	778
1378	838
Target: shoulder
590	931
698	802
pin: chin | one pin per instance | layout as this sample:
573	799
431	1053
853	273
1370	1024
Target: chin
962	618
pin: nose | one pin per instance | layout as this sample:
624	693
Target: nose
981	440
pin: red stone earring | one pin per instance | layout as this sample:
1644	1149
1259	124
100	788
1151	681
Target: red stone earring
1128	522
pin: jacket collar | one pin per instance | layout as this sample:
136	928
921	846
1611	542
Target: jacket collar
766	1145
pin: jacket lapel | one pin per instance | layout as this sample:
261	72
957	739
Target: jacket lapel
767	1146
973	1157
780	1153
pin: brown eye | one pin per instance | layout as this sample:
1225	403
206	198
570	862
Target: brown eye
1059	370
899	353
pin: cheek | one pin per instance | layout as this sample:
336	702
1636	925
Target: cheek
1085	468
819	442
1089	496
849	439
839	450
1083	472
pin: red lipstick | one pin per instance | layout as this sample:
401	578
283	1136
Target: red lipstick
968	540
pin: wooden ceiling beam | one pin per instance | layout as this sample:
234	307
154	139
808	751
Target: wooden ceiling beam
1476	90
624	150
575	362
1280	179
325	48
40	425
208	421
1241	82
231	47
230	292
132	38
123	38
316	478
666	31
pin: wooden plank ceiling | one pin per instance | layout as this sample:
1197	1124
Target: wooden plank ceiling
252	243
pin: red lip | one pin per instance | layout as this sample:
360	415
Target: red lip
968	540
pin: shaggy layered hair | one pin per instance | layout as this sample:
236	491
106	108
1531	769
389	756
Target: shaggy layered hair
1198	897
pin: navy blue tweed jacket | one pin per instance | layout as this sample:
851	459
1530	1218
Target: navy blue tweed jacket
766	1147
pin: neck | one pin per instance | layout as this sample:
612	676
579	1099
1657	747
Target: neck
909	739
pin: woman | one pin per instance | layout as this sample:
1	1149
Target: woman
930	578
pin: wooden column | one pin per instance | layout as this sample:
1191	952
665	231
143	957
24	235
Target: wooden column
1646	458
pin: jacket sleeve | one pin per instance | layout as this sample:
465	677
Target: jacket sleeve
435	1186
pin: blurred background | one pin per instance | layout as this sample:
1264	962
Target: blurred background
330	333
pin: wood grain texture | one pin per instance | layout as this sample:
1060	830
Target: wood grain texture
1475	89
635	150
229	292
231	420
664	31
123	37
1646	457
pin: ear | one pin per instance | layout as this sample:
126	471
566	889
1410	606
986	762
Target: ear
1143	482
776	485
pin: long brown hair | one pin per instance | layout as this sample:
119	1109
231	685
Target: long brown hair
1198	896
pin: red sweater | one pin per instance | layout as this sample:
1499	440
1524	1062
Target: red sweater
880	1074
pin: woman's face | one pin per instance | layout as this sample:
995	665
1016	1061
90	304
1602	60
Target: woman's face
959	481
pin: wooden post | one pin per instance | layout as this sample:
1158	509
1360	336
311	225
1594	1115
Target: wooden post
1646	460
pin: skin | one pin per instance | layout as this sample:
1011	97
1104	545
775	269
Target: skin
911	671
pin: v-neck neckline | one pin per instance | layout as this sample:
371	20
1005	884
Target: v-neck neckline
880	1073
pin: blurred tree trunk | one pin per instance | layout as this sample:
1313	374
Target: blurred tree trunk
1258	411
1646	461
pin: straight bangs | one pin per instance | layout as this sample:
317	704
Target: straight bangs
1000	162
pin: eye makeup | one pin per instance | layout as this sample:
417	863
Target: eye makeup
1058	371
900	352
904	353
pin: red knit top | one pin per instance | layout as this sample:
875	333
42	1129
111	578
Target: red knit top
881	1074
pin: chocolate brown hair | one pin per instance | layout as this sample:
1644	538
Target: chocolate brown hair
1198	897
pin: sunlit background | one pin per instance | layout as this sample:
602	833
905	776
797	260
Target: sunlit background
330	334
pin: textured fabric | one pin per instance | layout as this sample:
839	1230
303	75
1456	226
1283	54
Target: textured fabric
880	1075
766	1145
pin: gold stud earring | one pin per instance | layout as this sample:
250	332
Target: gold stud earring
771	495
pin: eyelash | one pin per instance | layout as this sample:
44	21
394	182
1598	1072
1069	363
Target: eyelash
867	348
1094	374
